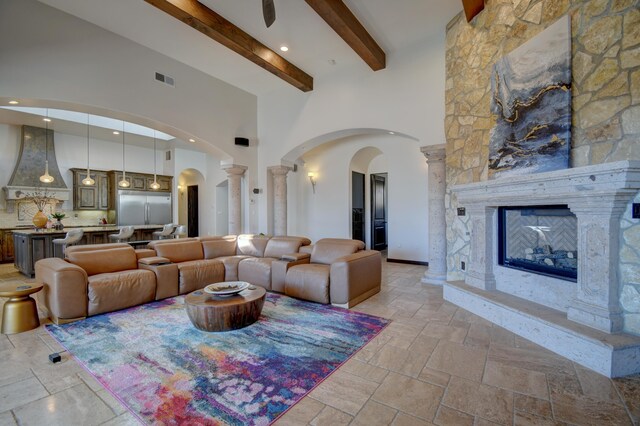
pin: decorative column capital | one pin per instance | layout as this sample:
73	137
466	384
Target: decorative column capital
234	169
434	153
279	170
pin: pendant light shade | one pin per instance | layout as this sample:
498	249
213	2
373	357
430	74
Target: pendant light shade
155	185
124	183
87	180
46	177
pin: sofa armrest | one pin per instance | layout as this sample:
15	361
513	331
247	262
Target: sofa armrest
153	260
294	257
65	288
144	253
280	267
355	275
167	281
306	249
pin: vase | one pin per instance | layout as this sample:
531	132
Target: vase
39	219
59	226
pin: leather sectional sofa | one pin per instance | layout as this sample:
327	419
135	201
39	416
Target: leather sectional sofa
94	279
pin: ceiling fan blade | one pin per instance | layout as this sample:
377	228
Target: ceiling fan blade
269	12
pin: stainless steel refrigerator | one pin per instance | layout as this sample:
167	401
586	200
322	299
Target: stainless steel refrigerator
143	208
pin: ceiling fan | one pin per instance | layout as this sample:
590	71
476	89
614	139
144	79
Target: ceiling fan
268	12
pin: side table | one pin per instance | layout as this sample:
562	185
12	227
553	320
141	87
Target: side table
19	312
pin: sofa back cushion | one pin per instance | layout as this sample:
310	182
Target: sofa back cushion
100	261
279	246
328	250
252	245
219	247
180	251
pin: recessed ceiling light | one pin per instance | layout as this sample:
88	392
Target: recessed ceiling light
14	102
192	140
48	120
284	48
392	133
115	132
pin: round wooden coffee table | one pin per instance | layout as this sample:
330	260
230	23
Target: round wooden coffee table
215	313
19	313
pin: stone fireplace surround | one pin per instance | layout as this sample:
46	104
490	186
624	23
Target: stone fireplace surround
581	321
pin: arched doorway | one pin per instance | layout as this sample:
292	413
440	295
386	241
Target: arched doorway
189	205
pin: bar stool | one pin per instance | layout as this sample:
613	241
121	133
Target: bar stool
60	244
180	232
125	233
166	232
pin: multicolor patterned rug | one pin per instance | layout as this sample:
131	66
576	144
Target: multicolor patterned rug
167	372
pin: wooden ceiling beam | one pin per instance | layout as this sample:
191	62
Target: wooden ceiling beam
472	8
209	23
344	22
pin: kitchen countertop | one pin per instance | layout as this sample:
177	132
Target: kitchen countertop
87	229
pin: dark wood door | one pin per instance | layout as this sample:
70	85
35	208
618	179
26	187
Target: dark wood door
357	206
192	210
378	212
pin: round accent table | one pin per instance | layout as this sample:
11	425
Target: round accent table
19	312
215	313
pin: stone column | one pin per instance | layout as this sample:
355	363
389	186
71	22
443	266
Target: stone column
279	174
234	175
481	259
596	303
437	272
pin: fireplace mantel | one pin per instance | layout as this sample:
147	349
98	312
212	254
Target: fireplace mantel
597	195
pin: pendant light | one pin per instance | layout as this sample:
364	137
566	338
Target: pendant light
124	183
46	177
155	185
87	180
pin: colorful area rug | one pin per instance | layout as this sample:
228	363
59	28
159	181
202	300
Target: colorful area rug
167	372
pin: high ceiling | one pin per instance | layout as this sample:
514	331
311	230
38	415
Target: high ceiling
314	47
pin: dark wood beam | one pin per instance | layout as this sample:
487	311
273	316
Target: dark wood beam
345	23
472	8
208	22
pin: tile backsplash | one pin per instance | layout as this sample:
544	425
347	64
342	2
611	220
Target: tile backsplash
23	213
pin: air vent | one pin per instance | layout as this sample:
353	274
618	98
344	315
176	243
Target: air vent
165	79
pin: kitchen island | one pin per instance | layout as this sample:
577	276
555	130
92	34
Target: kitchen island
31	245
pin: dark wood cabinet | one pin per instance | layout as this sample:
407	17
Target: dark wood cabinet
94	197
6	246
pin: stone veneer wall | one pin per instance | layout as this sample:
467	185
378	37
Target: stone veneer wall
606	104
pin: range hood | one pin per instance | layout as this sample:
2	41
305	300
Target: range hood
34	144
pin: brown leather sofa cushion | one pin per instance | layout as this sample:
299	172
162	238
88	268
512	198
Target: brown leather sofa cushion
256	270
112	291
252	245
328	250
104	260
279	246
308	282
231	266
197	274
180	251
219	248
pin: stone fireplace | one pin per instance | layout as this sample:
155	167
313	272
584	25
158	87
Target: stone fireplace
578	317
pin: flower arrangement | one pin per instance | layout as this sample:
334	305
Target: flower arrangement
39	198
58	215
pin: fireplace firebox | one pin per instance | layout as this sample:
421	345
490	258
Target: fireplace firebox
539	239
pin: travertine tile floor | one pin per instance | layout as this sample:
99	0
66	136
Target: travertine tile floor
434	364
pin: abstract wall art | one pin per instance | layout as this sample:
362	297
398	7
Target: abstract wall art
531	105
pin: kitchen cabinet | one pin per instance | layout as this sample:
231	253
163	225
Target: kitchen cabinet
163	181
6	246
94	197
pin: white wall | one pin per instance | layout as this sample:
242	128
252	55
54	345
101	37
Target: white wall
407	97
50	58
327	213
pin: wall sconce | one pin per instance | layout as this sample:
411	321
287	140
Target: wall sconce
312	179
